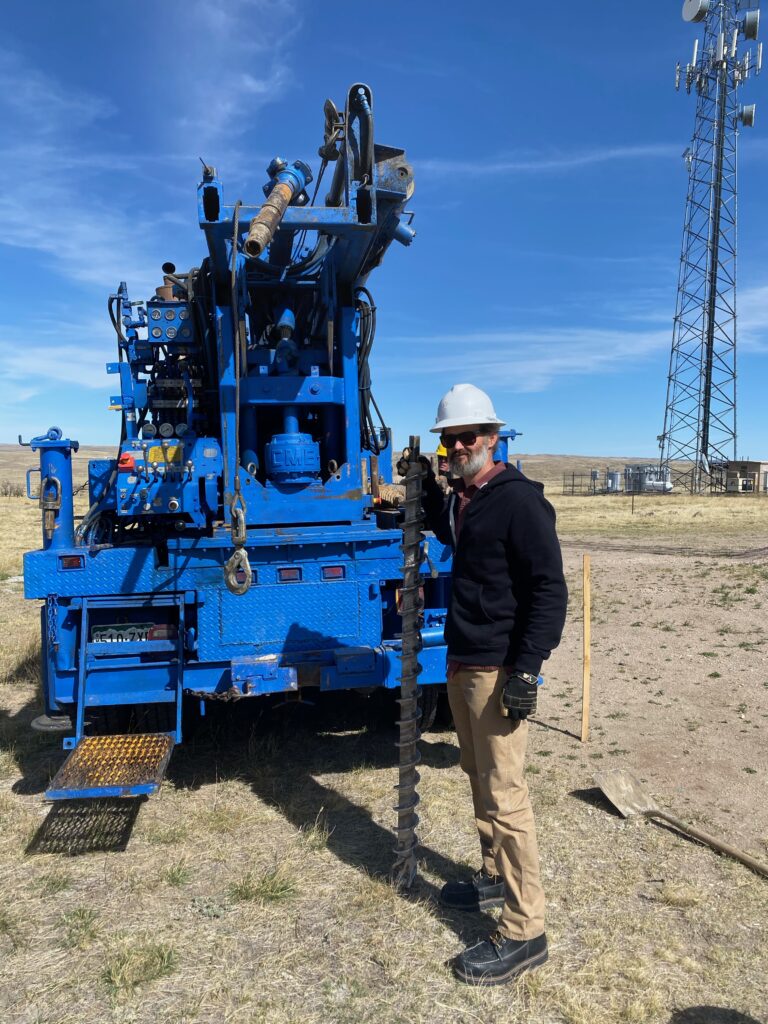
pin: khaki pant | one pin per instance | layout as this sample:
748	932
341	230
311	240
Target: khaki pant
492	754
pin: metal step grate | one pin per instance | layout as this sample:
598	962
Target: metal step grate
101	766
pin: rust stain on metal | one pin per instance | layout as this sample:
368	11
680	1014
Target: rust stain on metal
266	221
116	761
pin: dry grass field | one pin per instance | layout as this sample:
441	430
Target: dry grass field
253	887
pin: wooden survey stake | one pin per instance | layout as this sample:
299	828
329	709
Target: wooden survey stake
586	657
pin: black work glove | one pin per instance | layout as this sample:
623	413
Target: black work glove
518	698
405	460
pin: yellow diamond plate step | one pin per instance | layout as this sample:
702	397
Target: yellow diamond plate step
99	766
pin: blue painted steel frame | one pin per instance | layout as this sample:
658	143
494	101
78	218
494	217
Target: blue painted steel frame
284	634
345	656
102	792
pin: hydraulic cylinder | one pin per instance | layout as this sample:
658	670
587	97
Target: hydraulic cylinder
56	502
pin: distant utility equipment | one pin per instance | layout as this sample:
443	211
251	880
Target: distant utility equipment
699	436
647	479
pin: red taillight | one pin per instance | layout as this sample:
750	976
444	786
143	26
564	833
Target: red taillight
71	562
334	572
163	631
289	575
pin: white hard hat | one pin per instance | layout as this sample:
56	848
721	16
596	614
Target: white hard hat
465	404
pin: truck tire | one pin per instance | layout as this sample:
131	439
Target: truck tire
443	718
428	701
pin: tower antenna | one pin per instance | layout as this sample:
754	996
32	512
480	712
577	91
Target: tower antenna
699	437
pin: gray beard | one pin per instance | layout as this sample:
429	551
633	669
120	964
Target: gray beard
467	468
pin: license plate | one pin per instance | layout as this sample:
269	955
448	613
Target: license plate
121	632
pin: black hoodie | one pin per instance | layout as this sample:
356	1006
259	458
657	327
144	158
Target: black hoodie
509	596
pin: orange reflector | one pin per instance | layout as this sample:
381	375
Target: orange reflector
291	575
71	562
334	572
163	631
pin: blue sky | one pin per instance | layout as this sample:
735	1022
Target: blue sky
546	141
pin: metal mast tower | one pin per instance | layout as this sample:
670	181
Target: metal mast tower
699	435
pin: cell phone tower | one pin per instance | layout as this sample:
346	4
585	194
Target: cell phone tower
699	437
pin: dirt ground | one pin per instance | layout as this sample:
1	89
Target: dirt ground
253	888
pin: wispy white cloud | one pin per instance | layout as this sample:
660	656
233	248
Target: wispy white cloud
617	258
249	25
39	105
532	360
51	203
227	110
71	191
55	349
535	161
64	364
551	160
235	67
76	188
95	244
752	312
529	360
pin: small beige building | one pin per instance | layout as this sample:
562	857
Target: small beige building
746	477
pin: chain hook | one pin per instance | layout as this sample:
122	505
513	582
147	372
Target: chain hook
238	574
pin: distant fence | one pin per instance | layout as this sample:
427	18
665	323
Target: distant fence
585	485
594	481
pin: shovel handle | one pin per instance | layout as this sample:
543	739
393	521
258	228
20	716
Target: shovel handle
708	840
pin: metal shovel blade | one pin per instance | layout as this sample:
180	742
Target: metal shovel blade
625	792
628	797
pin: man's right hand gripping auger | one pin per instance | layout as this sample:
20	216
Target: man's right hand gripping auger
407	457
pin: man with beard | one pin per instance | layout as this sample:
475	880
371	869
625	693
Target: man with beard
506	615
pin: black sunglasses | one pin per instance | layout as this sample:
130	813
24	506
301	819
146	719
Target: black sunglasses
467	438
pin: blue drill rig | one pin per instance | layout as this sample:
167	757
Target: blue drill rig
244	541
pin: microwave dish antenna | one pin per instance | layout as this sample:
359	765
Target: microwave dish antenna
695	10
